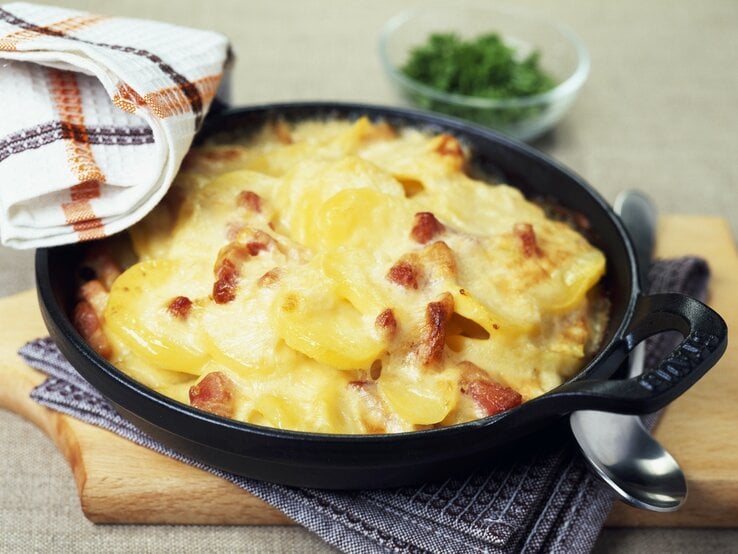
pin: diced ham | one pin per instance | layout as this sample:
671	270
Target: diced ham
260	241
387	323
180	307
426	227
88	316
101	266
87	322
433	336
282	131
491	397
405	274
230	258
270	277
528	240
214	394
226	280
250	200
254	247
96	294
449	146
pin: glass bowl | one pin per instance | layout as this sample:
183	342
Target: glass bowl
563	56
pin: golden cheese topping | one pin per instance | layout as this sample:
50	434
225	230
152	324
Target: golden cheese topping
342	277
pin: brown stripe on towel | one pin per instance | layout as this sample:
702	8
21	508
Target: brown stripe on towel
78	212
52	131
188	88
10	41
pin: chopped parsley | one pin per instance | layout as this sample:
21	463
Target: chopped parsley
482	67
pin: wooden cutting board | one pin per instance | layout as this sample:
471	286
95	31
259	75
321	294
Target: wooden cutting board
119	482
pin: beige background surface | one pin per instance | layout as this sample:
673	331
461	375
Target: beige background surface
659	112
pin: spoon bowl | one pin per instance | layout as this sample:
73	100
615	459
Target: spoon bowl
625	455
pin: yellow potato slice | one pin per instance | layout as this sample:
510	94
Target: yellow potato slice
137	314
568	284
307	400
361	218
242	336
421	399
317	322
357	277
302	193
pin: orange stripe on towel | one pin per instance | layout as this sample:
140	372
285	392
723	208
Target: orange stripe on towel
168	101
78	212
128	99
10	41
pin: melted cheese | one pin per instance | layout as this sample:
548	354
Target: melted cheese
319	221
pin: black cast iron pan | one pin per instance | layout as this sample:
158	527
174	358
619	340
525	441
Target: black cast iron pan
373	461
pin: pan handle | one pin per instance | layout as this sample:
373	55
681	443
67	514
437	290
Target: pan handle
705	340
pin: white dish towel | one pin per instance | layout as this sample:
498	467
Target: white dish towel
96	114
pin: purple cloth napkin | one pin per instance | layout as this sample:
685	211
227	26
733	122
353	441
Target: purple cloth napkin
541	500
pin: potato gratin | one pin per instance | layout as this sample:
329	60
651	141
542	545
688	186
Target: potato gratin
342	277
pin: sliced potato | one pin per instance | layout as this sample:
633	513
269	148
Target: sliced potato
137	314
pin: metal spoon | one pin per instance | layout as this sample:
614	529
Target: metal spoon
618	447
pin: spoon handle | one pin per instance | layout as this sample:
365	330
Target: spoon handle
638	214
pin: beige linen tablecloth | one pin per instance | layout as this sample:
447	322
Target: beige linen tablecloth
659	112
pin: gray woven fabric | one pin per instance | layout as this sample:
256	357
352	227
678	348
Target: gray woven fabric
541	500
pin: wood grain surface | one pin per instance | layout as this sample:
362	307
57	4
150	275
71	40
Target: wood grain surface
120	482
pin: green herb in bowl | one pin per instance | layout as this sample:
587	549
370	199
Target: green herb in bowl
484	67
519	74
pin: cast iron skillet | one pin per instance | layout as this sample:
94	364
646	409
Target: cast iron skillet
372	461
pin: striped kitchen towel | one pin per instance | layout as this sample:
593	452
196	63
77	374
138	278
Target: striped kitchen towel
96	114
